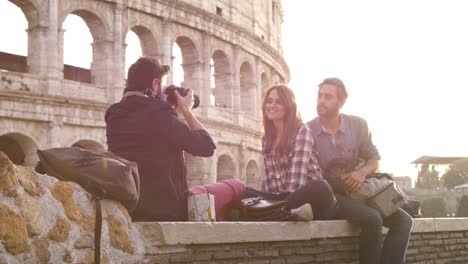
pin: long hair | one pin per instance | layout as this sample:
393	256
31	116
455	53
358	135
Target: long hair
292	121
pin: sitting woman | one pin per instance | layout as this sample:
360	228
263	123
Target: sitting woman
291	167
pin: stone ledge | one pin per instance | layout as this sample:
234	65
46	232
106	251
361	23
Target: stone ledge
186	233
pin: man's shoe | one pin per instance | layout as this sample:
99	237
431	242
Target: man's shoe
304	212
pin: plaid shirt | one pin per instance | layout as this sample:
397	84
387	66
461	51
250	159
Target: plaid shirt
295	169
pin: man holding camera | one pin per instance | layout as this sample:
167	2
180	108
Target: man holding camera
146	129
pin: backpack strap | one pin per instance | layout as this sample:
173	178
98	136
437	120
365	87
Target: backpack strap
97	232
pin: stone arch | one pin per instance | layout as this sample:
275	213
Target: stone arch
19	148
101	46
89	145
150	45
225	168
30	10
95	24
18	62
190	63
247	88
252	174
222	79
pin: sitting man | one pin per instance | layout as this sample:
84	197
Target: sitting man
145	129
345	137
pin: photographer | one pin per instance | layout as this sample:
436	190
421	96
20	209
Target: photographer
145	129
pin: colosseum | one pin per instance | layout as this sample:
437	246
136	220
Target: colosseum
231	53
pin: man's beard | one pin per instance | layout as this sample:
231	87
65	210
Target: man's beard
326	112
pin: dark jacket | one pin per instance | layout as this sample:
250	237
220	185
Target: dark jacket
148	131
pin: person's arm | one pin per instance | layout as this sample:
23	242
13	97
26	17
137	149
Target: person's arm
184	106
191	137
303	161
354	180
367	151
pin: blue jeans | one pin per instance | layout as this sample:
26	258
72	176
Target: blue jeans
317	193
370	220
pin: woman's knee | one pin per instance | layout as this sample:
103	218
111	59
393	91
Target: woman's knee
320	187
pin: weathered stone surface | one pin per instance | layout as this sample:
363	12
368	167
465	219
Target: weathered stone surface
41	249
67	258
88	222
86	240
13	231
118	233
8	182
31	212
27	177
125	213
89	258
60	231
63	192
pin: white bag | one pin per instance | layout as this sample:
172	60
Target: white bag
201	208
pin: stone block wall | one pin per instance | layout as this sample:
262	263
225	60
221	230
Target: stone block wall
43	220
434	240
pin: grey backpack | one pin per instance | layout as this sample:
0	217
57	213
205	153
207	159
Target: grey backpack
381	193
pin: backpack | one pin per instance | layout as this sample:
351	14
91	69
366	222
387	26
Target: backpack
104	175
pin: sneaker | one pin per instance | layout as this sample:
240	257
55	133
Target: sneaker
305	212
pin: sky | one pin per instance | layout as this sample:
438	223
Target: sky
404	62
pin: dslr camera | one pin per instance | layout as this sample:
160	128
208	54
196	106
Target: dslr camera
172	99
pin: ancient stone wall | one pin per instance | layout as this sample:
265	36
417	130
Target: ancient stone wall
44	103
43	220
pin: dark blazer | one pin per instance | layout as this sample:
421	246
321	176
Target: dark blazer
147	130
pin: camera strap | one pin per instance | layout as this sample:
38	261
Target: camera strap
133	93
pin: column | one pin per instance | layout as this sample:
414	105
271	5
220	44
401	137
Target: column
53	137
167	58
37	50
205	91
117	84
236	81
101	68
258	88
54	65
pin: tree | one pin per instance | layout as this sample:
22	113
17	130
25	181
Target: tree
428	179
463	207
434	207
456	174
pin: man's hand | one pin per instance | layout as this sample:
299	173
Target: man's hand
184	103
184	107
353	180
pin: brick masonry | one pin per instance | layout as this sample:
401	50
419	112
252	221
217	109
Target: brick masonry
434	240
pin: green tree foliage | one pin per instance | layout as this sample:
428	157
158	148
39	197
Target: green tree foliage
456	174
463	207
434	207
428	178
